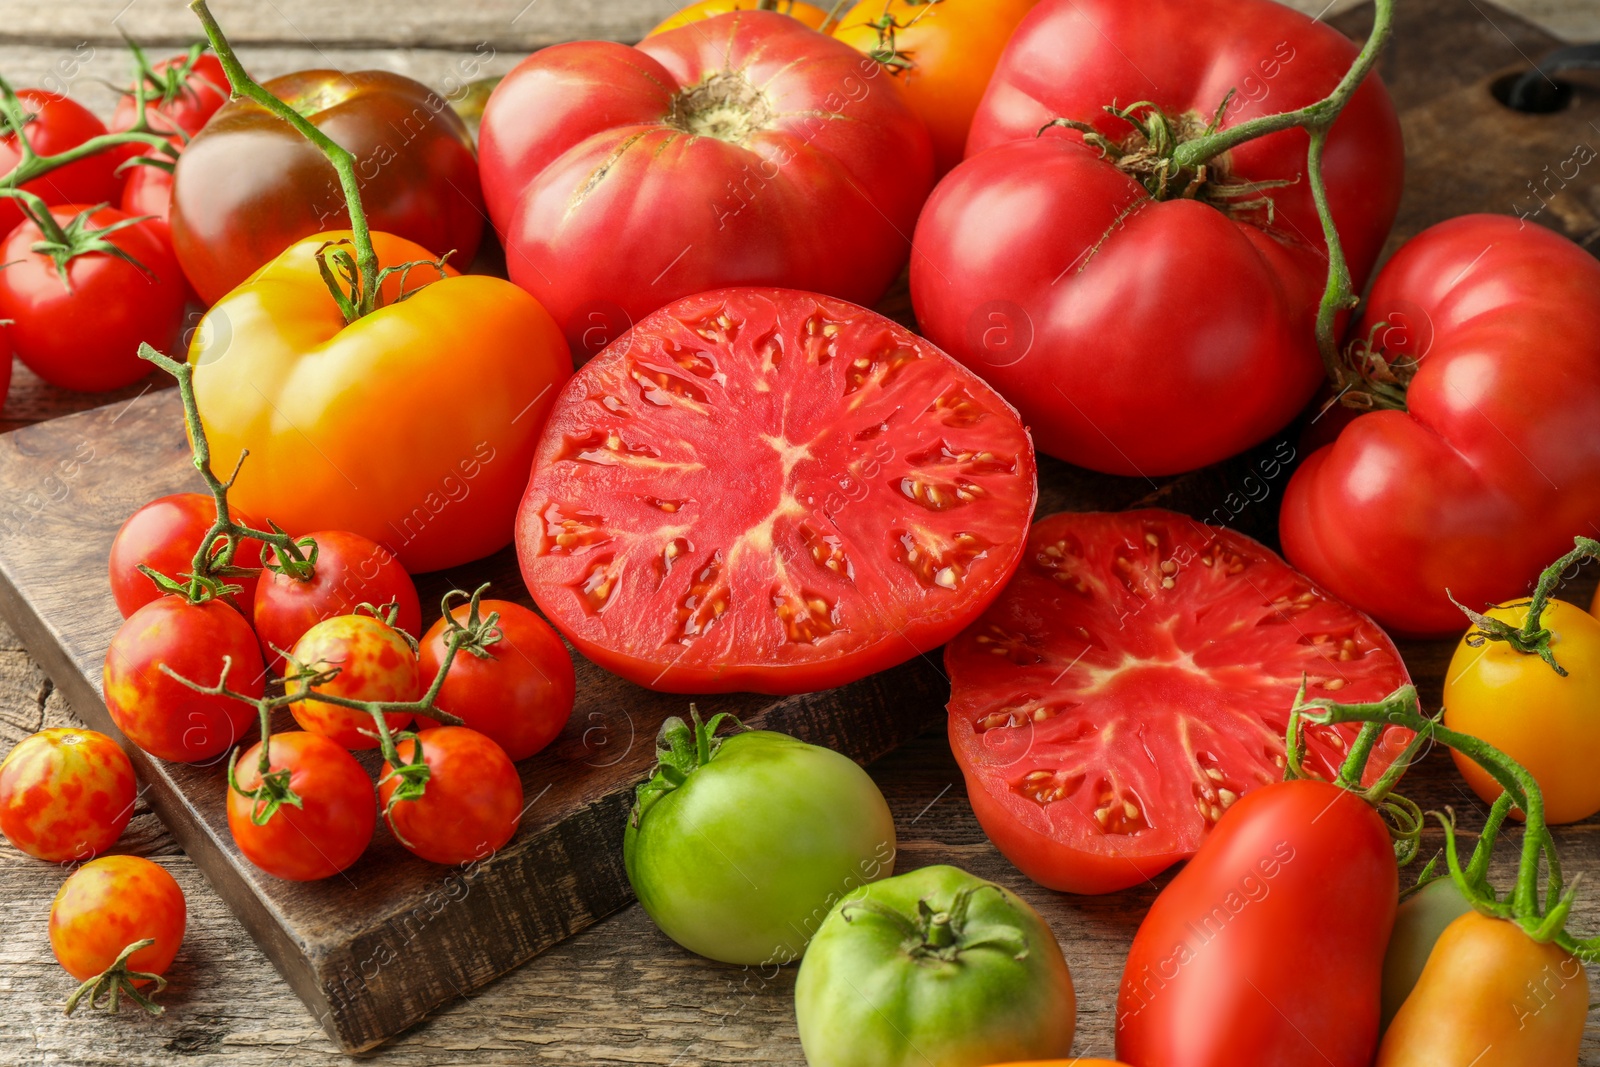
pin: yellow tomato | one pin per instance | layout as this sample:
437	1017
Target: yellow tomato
1516	702
809	14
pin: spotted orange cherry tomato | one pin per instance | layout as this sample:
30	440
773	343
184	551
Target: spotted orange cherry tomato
374	663
111	903
472	803
327	831
65	794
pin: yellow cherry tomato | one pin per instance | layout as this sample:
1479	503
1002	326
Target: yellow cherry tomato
1516	702
810	14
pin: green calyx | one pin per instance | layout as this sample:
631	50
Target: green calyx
1532	637
159	88
118	979
78	236
681	749
480	631
940	934
273	792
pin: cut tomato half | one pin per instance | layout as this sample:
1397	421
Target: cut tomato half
1135	679
772	491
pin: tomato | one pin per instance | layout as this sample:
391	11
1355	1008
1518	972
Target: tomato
1078	1062
58	123
65	794
148	191
1134	681
249	185
164	536
807	14
935	968
1092	302
1420	920
109	904
1267	948
374	662
743	150
348	570
463	372
872	503
1519	704
327	831
1491	996
517	690
942	51
473	800
83	332
195	91
1494	463
162	715
737	847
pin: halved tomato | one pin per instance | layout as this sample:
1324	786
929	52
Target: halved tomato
1134	680
772	491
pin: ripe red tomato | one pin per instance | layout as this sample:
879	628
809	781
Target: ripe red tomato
1494	463
107	905
164	536
1267	948
148	191
249	185
65	794
473	800
58	123
517	691
349	570
84	332
188	104
1100	309
746	149
375	663
327	831
163	716
873	502
1134	680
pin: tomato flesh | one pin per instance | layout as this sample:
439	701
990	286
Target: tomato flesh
1134	680
772	491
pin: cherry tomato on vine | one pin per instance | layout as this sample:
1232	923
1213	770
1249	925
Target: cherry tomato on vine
80	309
811	15
65	794
191	93
348	570
375	662
473	800
163	716
57	124
164	536
327	831
517	691
111	903
148	191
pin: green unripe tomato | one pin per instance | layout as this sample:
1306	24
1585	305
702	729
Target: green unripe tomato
1418	923
738	847
936	968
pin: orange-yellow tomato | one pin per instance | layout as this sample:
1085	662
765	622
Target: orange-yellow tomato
810	14
107	905
374	662
1548	723
943	52
65	794
1490	996
413	426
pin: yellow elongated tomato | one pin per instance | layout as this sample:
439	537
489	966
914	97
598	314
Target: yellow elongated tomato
1516	702
413	426
1491	996
810	14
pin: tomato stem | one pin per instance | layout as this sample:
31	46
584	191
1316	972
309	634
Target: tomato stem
30	165
1532	637
118	979
834	13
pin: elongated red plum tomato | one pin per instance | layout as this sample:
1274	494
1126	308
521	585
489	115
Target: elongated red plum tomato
58	123
772	491
327	831
65	794
472	804
1134	680
517	690
746	149
1221	972
249	185
162	715
1151	330
110	903
164	536
374	662
348	570
1491	463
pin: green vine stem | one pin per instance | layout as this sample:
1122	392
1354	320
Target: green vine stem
835	13
31	165
1532	637
118	979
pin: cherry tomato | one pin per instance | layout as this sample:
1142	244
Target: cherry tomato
164	536
349	570
327	831
58	123
65	794
743	150
473	800
163	716
872	505
107	905
84	332
464	372
1221	971
249	185
807	14
188	104
148	191
1134	681
375	663
517	691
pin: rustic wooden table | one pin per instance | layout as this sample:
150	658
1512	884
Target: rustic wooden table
620	992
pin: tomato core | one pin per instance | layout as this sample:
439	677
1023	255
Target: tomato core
725	105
